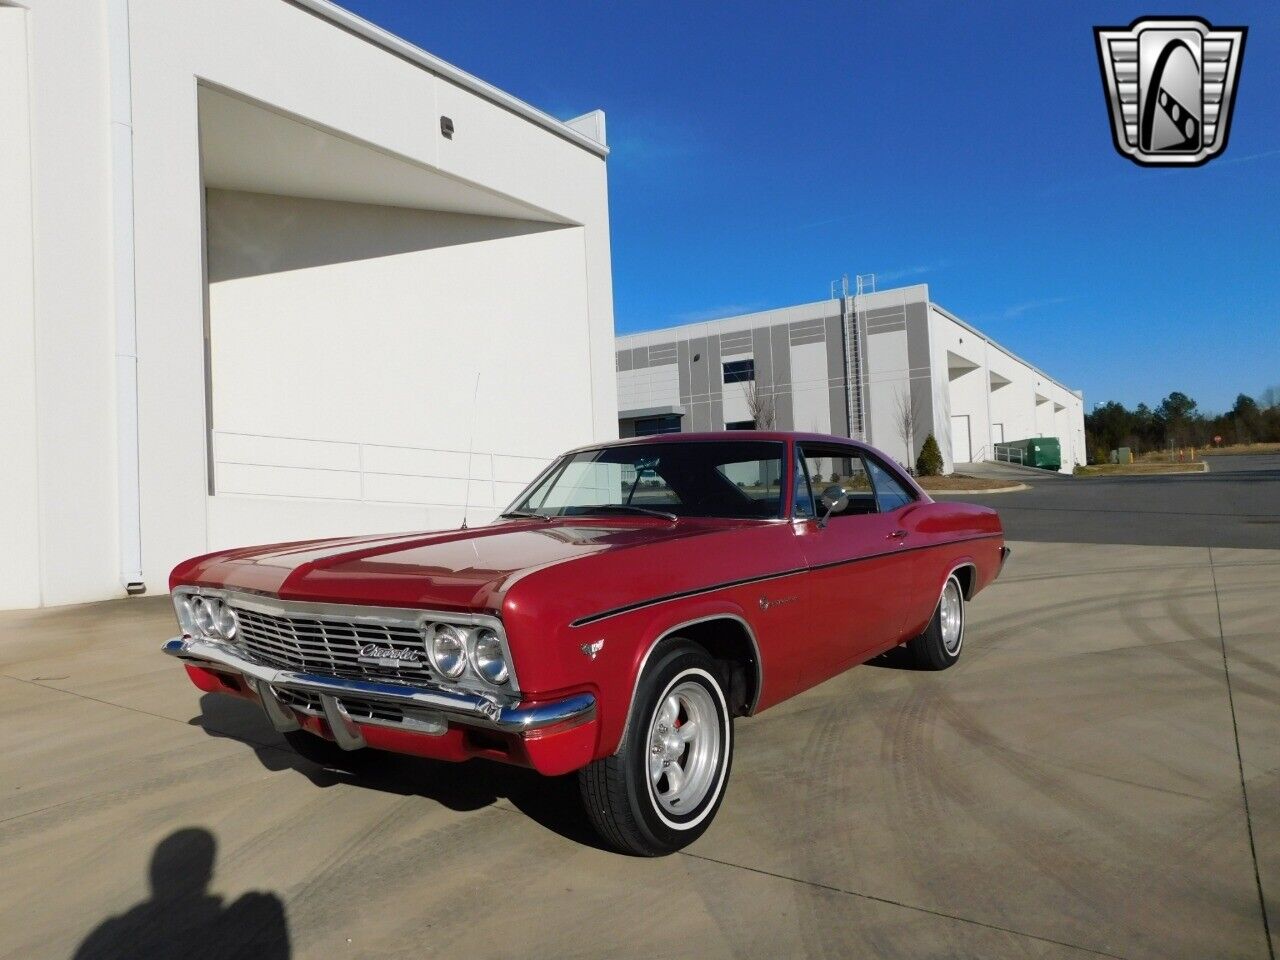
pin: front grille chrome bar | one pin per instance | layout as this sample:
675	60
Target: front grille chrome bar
466	708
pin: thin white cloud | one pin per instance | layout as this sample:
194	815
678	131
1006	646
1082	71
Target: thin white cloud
890	276
1266	154
1028	306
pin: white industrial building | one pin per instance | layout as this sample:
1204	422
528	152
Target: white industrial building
851	366
257	257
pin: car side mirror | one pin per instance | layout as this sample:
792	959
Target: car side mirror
834	499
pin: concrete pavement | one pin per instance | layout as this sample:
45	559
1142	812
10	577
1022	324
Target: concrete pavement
1074	788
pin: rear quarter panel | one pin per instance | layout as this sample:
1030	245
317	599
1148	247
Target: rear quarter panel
945	536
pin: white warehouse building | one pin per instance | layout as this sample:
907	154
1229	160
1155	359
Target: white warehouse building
257	260
856	366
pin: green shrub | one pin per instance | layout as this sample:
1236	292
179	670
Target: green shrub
929	463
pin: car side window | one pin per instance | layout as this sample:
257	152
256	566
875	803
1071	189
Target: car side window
890	493
840	466
804	506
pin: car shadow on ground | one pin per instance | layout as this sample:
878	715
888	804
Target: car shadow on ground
552	802
899	658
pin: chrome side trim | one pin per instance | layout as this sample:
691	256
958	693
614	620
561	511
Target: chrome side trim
644	662
795	571
466	708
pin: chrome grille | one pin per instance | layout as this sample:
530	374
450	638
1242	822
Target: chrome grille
356	708
328	645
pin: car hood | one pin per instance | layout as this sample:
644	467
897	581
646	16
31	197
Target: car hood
450	570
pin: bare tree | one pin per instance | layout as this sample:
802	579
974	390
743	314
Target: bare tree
906	422
760	406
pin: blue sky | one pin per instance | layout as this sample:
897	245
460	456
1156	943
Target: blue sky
760	150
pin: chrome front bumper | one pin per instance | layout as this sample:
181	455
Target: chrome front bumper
425	703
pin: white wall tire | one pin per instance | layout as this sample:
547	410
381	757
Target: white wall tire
662	788
943	640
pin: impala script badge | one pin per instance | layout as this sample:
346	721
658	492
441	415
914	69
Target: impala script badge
388	656
1170	84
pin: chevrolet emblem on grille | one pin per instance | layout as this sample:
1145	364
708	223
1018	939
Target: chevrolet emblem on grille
388	656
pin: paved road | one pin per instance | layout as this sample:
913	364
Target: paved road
1235	504
1074	788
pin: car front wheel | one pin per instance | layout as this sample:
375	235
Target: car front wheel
662	788
939	646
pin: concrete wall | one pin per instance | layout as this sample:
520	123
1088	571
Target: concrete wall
897	368
87	286
345	346
978	379
798	357
62	490
912	353
20	561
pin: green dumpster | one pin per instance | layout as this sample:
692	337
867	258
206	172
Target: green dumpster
1042	452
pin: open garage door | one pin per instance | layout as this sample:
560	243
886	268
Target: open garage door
387	345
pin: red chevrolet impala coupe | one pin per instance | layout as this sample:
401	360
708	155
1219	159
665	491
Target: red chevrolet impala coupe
632	602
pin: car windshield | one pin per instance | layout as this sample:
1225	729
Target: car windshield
731	479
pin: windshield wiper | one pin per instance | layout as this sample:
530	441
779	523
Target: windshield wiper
510	514
628	508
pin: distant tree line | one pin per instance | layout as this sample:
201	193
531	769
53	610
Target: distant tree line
1178	422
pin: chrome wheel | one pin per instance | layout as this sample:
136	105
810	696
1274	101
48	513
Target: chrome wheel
684	747
951	617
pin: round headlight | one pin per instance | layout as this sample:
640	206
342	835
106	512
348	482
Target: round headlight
224	621
202	611
186	617
447	650
486	657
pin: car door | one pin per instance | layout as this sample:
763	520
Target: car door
896	505
858	580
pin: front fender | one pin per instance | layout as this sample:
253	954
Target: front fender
629	643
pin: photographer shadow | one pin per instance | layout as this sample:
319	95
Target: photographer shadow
184	921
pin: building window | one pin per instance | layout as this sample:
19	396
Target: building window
739	371
741	425
650	425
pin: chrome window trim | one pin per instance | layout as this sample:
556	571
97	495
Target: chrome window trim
406	617
644	662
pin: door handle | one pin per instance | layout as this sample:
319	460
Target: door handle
896	535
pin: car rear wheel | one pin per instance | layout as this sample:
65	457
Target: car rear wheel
940	644
662	788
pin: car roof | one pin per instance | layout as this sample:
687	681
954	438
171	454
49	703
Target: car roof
723	436
775	436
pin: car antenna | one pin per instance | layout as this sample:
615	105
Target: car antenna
471	446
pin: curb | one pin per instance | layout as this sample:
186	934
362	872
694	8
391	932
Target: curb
973	493
1204	468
